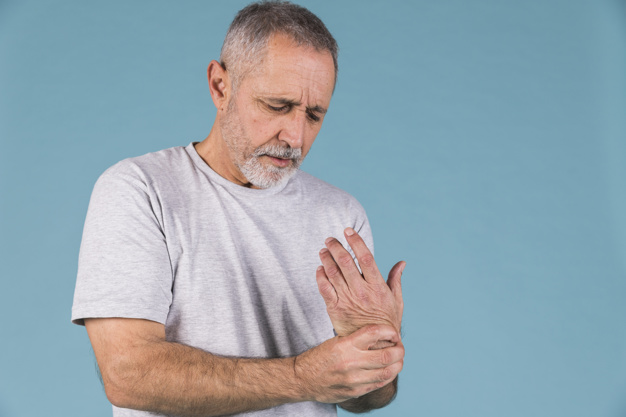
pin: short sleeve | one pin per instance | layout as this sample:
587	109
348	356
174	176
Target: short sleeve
124	268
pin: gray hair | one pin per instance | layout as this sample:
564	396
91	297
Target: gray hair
246	41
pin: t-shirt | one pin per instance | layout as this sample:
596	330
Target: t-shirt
227	269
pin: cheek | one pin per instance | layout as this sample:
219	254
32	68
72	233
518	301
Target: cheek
261	129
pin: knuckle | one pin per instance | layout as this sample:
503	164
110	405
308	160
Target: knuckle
396	368
332	271
381	330
351	380
385	374
372	329
326	289
401	354
385	356
366	260
346	367
344	259
361	294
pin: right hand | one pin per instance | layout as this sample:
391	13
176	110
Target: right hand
342	368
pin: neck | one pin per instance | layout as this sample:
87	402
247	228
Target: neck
214	151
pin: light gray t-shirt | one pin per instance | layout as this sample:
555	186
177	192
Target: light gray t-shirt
227	269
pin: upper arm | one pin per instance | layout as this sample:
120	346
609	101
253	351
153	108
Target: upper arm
124	266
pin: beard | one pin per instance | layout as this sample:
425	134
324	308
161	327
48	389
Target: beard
269	175
249	160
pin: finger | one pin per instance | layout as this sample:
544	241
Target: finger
381	344
394	281
381	358
332	271
364	256
380	377
325	287
345	262
366	337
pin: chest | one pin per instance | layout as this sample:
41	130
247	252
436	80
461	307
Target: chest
248	272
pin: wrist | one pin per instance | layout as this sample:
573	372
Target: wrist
345	329
301	384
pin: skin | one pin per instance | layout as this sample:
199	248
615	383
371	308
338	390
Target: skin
354	299
282	103
141	370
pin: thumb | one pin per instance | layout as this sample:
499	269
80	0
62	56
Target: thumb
394	280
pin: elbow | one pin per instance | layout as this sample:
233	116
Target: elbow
123	350
120	384
117	396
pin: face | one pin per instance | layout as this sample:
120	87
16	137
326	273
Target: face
273	118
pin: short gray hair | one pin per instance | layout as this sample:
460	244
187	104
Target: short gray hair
248	35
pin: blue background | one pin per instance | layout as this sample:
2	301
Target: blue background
486	139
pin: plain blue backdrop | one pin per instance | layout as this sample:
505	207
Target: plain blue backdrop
486	140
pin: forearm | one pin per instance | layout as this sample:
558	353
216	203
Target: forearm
176	379
141	370
372	401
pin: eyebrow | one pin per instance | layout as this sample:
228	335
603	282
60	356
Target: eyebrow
287	102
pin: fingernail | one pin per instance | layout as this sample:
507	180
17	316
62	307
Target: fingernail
324	250
319	268
327	241
349	231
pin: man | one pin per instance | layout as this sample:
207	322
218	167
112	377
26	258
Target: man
196	268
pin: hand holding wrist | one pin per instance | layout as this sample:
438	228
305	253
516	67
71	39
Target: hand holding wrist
347	367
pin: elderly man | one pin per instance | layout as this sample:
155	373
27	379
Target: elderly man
198	278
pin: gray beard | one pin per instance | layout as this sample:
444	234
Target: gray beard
267	176
256	173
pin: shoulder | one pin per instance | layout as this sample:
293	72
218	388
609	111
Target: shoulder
134	190
150	168
151	164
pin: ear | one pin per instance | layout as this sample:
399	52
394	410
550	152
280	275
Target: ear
219	85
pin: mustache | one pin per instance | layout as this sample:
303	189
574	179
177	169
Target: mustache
277	151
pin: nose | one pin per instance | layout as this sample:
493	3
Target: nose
294	128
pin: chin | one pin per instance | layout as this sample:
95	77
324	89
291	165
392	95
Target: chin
271	179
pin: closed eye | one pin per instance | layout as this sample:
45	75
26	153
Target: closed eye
312	116
281	109
312	113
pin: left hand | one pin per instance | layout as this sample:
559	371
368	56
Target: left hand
354	300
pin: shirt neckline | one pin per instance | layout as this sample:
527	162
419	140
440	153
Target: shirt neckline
231	186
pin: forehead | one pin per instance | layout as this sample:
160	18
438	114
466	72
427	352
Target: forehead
294	72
